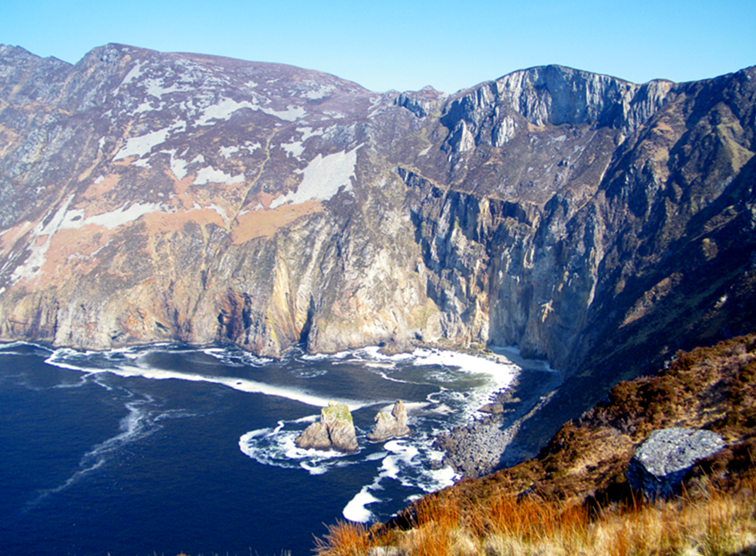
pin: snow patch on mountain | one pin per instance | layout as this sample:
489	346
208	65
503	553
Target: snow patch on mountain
178	165
140	146
223	110
157	88
319	92
323	178
212	175
307	132
293	148
226	152
135	72
74	219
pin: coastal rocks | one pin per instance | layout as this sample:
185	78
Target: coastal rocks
334	431
659	465
391	425
492	408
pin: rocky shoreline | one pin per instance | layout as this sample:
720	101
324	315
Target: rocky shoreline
490	443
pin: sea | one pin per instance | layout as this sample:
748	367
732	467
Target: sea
169	449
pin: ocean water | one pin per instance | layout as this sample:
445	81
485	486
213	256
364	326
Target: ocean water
166	449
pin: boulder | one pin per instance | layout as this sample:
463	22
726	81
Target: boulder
334	431
391	425
658	466
492	408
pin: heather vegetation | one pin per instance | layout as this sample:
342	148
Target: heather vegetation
573	498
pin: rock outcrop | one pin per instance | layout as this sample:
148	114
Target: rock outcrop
334	431
658	466
390	425
150	197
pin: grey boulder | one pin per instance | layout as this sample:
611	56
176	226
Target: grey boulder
658	466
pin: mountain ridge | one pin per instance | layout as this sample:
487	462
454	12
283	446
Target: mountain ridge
589	221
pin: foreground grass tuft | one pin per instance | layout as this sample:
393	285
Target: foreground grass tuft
717	525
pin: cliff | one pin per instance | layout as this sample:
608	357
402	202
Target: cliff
596	223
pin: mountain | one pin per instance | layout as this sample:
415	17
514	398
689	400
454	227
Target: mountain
596	223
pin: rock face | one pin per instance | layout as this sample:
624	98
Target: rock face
150	197
388	426
334	431
657	468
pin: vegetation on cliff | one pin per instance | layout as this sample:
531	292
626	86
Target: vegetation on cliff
573	498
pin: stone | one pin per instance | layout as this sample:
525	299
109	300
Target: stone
388	426
492	408
657	468
334	431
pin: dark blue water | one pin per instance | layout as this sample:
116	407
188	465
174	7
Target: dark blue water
165	449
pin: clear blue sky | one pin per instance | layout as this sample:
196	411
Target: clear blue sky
409	44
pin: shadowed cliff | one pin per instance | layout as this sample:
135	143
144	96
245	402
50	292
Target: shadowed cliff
596	223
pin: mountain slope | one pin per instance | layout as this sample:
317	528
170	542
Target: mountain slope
593	222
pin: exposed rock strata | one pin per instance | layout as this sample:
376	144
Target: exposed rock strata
334	431
390	425
593	222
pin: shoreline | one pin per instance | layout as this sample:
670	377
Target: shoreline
488	443
474	449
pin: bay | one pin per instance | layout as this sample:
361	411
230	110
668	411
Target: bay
169	449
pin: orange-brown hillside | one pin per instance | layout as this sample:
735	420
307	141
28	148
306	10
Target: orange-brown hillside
573	497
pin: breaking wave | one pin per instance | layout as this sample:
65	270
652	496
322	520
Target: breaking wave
440	389
460	385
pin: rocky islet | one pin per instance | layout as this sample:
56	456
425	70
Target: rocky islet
334	431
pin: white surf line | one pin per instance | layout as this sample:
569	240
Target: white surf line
241	384
355	510
13	345
502	374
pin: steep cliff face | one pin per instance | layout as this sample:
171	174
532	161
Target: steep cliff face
585	219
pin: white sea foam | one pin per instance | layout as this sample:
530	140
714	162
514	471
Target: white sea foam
67	359
275	446
409	463
133	426
355	510
236	357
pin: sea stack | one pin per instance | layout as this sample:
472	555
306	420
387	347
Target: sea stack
334	431
388	426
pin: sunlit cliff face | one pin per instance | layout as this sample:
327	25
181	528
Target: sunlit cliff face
150	197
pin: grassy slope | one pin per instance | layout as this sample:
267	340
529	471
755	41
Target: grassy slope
573	497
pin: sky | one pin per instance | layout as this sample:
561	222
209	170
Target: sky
406	45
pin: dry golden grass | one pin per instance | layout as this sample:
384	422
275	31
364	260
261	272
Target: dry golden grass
717	525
